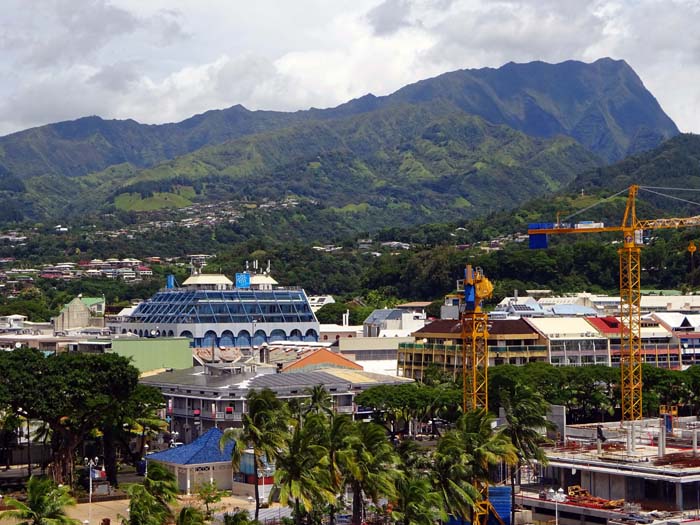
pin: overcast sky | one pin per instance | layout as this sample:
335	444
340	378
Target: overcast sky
164	60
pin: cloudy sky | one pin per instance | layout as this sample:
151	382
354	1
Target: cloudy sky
164	60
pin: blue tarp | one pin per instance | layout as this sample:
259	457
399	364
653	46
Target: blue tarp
204	449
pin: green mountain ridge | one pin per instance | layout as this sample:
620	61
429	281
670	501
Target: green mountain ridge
428	161
372	158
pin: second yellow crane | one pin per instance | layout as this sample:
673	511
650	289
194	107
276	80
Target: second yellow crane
632	230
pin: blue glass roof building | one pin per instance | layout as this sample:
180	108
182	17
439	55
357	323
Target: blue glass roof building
210	310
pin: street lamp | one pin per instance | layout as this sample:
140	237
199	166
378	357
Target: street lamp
145	473
90	463
557	497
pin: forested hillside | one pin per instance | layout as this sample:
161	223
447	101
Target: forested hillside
459	145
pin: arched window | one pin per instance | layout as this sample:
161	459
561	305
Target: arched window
295	335
227	339
259	338
243	339
187	334
277	335
311	335
209	339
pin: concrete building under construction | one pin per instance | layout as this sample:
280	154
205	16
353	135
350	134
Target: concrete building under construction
644	472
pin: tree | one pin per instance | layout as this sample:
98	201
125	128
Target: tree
483	446
162	485
45	505
525	414
240	517
144	508
452	477
464	457
81	387
369	467
208	493
137	415
416	502
190	516
335	433
264	430
301	471
320	400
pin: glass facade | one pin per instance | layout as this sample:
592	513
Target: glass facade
234	317
225	306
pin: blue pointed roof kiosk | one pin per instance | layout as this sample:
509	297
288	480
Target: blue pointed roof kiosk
199	462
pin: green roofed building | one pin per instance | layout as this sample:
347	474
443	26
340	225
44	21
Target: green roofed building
158	353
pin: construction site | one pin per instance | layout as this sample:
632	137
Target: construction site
642	472
631	471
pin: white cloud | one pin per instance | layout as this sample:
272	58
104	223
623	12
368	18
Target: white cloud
164	60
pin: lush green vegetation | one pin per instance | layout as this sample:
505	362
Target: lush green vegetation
88	392
45	505
589	393
323	452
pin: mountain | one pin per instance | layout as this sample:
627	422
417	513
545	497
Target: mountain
673	164
547	111
409	164
603	105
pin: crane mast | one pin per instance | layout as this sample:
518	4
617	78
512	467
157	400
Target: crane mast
475	361
475	334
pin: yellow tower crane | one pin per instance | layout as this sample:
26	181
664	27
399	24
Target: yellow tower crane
475	362
475	334
632	230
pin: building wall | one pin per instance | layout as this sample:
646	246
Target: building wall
74	315
607	486
155	353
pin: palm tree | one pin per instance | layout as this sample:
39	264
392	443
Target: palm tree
452	476
416	502
336	433
526	414
161	484
45	505
320	400
144	508
301	472
264	430
240	517
190	516
463	458
369	467
484	446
